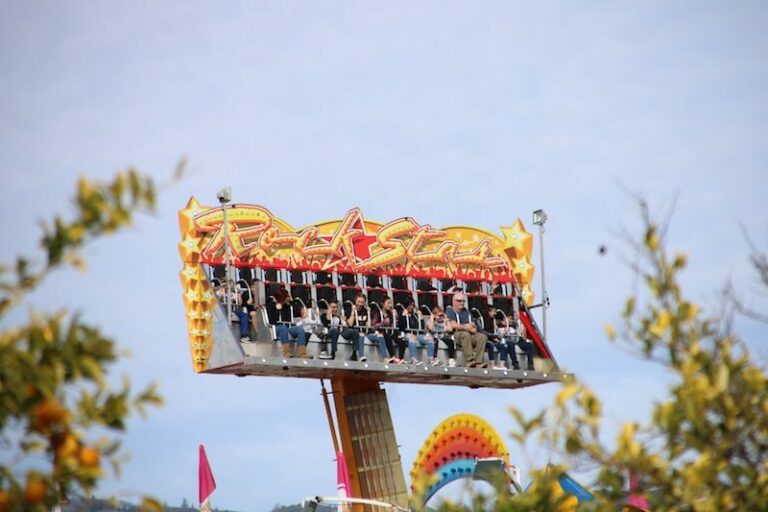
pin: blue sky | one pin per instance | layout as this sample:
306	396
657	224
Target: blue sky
453	113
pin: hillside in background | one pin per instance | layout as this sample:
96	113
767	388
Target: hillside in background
80	504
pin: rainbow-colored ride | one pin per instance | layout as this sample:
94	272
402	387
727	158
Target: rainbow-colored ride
452	451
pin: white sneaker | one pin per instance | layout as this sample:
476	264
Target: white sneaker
452	363
363	359
418	362
498	368
435	362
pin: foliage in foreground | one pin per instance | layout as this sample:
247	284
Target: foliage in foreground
705	448
54	396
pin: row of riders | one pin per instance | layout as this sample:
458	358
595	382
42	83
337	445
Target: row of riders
394	331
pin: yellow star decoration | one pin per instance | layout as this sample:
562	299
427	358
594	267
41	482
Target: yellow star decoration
518	246
517	241
199	300
189	249
186	216
527	294
523	270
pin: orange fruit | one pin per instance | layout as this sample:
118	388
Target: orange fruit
48	412
34	491
88	457
66	446
4	500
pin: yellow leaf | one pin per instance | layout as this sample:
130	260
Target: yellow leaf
566	394
84	188
652	239
680	261
570	504
77	262
662	322
723	376
76	232
610	331
627	433
692	311
48	333
629	307
149	504
695	348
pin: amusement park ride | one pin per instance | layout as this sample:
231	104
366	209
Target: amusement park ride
244	253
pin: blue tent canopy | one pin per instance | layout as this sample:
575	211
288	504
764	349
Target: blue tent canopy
574	488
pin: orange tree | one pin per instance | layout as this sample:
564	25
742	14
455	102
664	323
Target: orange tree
705	446
54	395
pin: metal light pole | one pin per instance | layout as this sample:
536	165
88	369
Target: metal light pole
225	196
539	218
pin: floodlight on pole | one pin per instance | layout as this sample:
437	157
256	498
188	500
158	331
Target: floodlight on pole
225	196
539	218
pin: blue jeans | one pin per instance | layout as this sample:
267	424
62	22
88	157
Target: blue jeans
353	335
245	323
284	332
333	335
422	340
527	347
382	342
492	347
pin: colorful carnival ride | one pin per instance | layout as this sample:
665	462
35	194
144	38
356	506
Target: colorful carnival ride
239	257
460	447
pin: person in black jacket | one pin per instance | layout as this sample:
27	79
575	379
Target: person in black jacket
385	326
279	313
496	330
239	307
521	340
332	321
358	318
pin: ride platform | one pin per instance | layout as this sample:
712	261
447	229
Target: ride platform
328	266
392	373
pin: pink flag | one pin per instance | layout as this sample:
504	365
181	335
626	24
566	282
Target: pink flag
343	487
636	500
205	478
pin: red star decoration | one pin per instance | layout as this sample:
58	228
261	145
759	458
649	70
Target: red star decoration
362	243
361	246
